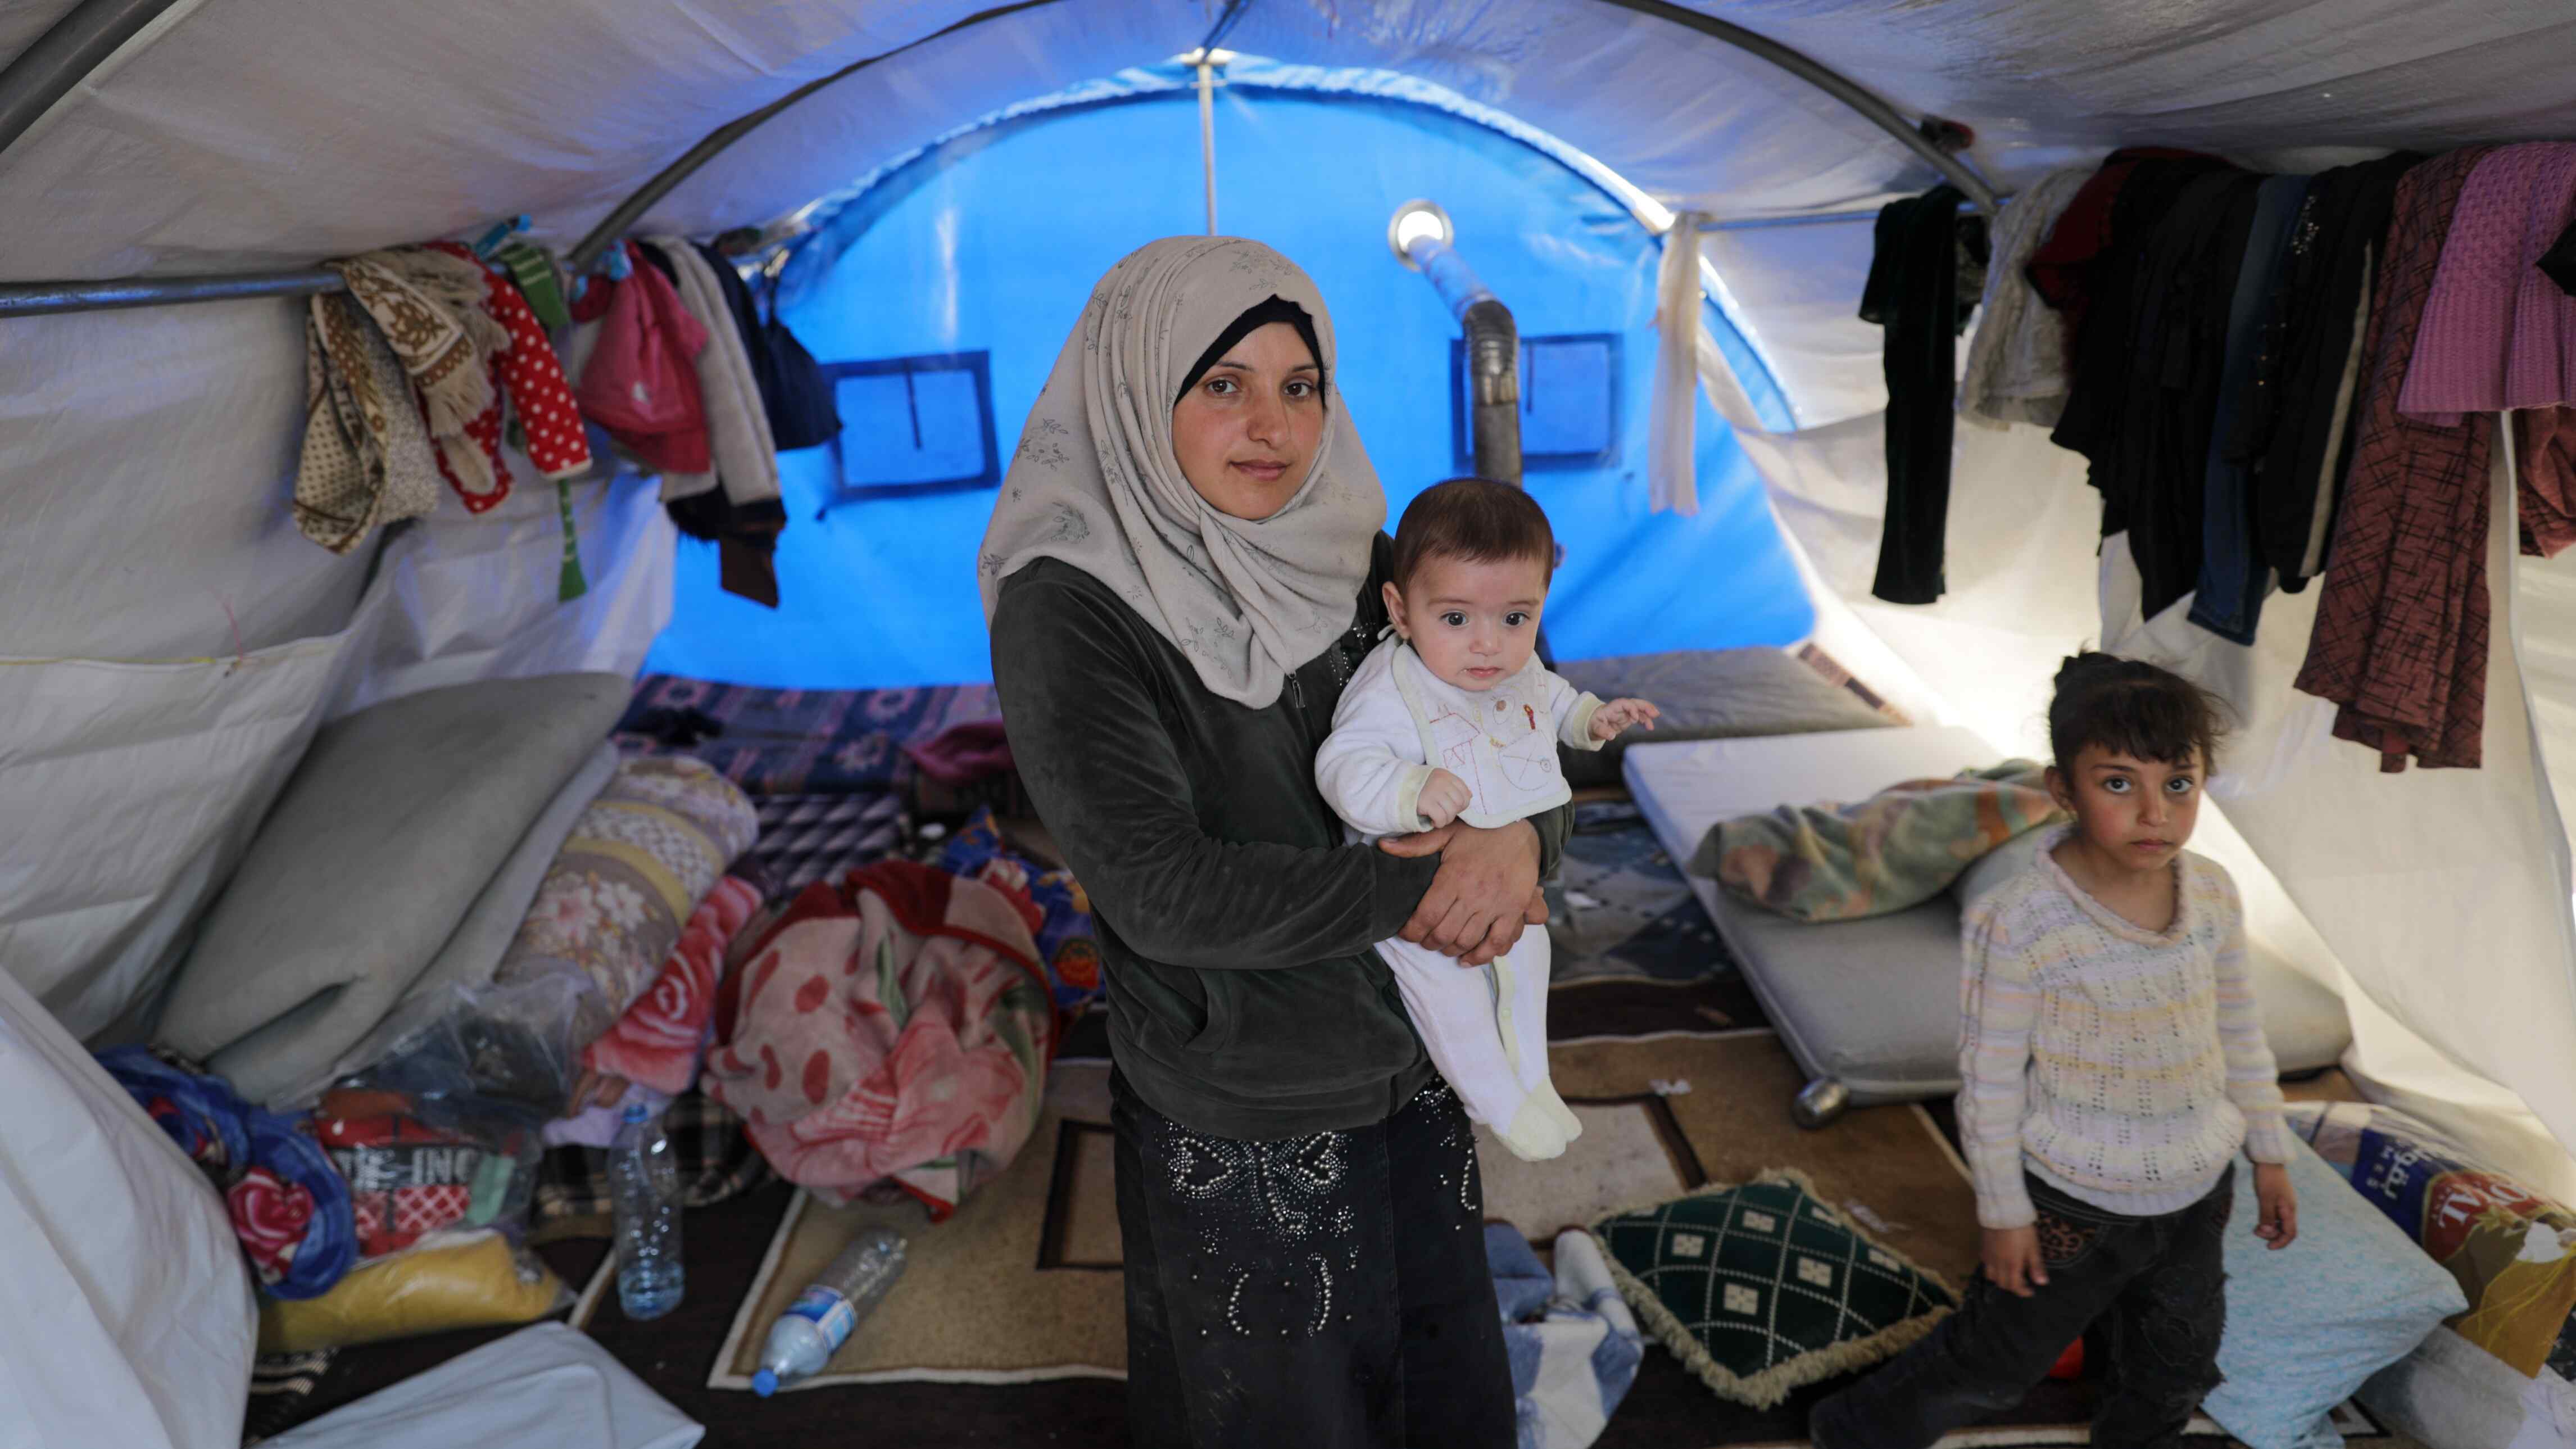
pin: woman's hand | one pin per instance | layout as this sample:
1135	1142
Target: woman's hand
2276	1205
2013	1262
1485	894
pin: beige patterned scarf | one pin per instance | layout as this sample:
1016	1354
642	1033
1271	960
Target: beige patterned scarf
366	459
429	305
1096	482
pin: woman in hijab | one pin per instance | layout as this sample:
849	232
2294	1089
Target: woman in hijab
1183	569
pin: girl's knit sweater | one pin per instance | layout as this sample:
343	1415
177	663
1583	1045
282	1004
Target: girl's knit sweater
2119	1065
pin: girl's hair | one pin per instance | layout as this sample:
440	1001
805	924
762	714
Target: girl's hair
2131	707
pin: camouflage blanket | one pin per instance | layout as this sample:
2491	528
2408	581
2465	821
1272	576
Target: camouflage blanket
1898	848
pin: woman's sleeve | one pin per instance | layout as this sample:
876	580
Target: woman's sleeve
1104	775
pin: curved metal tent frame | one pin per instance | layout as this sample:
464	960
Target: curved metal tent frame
95	31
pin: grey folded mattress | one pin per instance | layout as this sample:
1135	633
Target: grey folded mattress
1874	1004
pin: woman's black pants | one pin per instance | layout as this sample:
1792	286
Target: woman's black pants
1319	1292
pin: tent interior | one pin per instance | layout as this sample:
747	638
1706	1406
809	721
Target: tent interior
175	645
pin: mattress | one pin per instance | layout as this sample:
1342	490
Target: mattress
1874	1004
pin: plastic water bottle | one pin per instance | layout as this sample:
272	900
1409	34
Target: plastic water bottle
646	1183
821	1319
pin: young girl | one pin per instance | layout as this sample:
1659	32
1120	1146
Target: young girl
2114	1064
1454	718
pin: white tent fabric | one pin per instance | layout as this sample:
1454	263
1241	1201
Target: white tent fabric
145	454
125	1315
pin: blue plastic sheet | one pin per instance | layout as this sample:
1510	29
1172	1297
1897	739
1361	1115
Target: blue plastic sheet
989	241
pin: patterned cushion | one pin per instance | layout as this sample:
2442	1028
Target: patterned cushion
1763	1287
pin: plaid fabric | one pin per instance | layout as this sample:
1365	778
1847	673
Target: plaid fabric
2401	632
798	741
716	1160
809	838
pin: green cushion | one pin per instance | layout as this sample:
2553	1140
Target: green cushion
1765	1286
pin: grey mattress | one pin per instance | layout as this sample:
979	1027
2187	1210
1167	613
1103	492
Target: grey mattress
1874	1004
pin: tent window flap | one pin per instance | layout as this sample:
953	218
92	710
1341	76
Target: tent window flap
914	425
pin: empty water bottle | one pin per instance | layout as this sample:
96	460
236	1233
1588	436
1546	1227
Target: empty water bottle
646	1184
821	1319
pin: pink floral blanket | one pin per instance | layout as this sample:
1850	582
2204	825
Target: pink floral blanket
656	1042
896	1027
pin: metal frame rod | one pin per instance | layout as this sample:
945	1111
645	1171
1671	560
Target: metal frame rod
631	211
1813	218
35	299
64	56
1833	83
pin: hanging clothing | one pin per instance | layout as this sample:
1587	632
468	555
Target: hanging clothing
2498	334
430	307
2072	267
366	459
531	378
2294	424
639	381
1914	293
2401	633
2145	396
2228	600
2016	370
792	390
737	503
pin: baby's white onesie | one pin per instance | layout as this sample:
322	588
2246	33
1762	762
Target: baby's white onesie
1397	722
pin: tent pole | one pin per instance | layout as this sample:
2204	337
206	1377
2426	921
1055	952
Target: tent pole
629	212
1833	83
1207	134
64	56
35	299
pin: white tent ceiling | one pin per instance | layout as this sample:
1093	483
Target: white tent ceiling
144	456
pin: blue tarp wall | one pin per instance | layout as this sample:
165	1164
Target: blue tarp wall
989	241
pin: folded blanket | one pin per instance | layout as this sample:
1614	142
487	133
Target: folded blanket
383	845
1896	849
1573	1344
644	855
656	1043
896	1028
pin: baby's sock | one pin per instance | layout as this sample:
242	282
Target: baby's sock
1545	1095
1533	1135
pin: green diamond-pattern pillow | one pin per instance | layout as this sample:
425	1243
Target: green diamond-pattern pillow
1765	1286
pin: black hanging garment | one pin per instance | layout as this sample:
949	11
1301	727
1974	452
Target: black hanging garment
1915	292
792	385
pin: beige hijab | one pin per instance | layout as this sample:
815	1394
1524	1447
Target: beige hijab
1096	483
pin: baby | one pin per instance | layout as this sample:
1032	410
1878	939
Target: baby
1454	719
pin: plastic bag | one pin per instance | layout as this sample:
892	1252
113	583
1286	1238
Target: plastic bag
477	1282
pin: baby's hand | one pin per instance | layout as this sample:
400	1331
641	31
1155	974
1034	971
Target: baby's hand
1441	798
1618	714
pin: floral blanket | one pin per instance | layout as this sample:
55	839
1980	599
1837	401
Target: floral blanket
656	1043
289	1206
642	857
897	1027
1896	849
